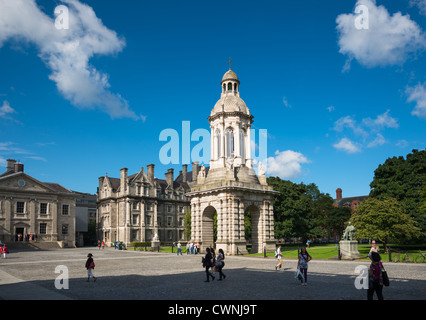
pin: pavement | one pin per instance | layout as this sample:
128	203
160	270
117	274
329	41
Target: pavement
133	275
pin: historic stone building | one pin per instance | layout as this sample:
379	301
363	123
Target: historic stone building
31	210
230	188
135	207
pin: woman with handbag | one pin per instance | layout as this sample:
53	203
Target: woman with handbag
220	263
375	277
207	263
90	265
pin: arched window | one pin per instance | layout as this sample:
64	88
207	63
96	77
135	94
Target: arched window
229	86
229	137
242	145
218	144
224	87
235	87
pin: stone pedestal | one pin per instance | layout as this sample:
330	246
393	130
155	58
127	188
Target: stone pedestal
349	249
155	245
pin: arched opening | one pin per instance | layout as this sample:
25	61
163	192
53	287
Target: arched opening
252	229
208	228
229	86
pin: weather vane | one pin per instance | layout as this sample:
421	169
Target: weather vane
229	63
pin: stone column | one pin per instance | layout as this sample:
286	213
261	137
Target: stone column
142	222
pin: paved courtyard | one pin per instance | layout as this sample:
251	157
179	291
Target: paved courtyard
129	275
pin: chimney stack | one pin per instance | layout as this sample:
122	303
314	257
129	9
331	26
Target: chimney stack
10	164
150	172
169	177
19	167
123	180
184	173
194	171
338	194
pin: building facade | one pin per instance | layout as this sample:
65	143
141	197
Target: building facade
134	208
349	202
31	210
230	189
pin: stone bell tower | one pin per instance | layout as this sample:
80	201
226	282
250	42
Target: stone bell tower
230	188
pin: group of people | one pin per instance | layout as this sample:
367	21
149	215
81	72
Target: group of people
375	271
214	263
192	247
302	263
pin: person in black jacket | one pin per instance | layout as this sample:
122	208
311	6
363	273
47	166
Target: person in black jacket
90	265
208	264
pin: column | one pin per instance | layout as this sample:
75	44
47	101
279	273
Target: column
142	222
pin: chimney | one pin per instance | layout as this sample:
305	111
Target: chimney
169	177
194	171
123	180
19	167
150	172
184	173
338	194
10	164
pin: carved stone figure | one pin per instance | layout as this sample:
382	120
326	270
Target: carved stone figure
349	233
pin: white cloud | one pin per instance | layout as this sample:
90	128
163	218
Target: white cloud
330	108
421	4
418	94
349	122
382	121
402	143
6	110
286	104
347	145
285	164
378	141
67	52
389	39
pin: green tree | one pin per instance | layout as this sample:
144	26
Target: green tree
187	224
403	179
385	220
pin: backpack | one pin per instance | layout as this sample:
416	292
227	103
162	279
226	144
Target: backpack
276	253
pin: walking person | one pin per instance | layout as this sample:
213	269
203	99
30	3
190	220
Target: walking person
179	248
207	263
375	277
220	263
188	246
302	265
90	265
279	257
374	248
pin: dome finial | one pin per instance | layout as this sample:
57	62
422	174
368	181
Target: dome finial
230	60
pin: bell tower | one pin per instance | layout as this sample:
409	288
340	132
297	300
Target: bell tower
230	191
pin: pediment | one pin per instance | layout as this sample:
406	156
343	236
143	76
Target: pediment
24	183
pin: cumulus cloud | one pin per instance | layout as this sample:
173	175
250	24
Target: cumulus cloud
67	52
347	145
418	94
388	40
286	164
378	141
382	121
421	4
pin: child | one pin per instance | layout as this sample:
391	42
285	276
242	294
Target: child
302	265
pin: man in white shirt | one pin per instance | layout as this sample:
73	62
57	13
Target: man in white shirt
279	257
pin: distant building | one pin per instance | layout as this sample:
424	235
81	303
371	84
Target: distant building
85	213
134	208
31	210
350	202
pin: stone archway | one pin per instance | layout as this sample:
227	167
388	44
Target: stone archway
207	228
253	213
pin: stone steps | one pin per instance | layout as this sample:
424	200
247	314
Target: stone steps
20	246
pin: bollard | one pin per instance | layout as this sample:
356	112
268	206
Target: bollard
390	255
264	252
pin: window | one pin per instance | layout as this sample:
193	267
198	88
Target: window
169	209
43	208
135	219
170	234
43	228
218	144
135	205
169	221
20	207
65	209
229	135
242	145
148	220
64	229
229	86
181	222
139	190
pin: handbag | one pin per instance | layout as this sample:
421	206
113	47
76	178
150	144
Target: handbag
298	275
91	265
385	278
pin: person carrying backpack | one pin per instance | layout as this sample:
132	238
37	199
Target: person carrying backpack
279	257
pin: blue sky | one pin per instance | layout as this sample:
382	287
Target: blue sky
336	100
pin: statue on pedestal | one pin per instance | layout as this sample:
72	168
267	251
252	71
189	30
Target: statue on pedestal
349	233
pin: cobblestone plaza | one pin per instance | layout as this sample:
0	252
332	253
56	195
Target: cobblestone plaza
130	275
